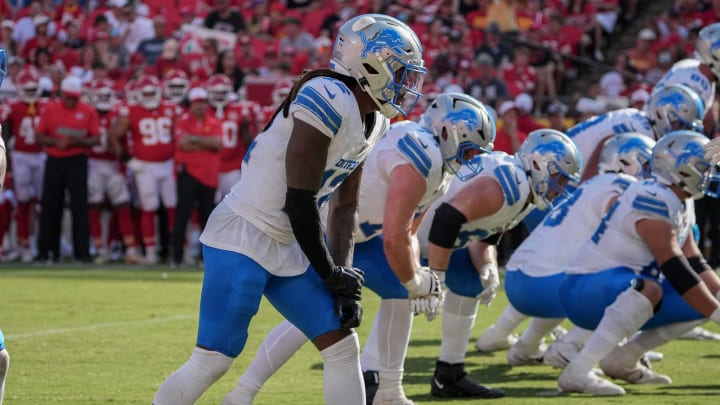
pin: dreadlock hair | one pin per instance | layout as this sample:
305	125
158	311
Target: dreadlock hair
304	78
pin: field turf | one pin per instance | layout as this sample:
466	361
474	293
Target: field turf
110	336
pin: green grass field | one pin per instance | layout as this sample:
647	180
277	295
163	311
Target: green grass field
90	336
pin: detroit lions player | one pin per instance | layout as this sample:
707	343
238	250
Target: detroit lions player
409	168
700	74
459	233
267	232
4	357
534	271
645	233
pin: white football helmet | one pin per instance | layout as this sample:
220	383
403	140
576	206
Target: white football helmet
219	86
678	159
101	94
463	129
147	88
674	107
28	85
175	85
385	56
551	161
707	47
628	153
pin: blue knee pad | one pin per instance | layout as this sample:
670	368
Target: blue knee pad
462	278
673	309
535	296
233	285
584	297
2	340
370	258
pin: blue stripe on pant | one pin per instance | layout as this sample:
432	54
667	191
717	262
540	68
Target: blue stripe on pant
535	296
233	285
462	278
370	258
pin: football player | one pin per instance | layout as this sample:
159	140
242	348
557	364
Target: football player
106	179
645	236
265	235
22	117
534	269
409	168
150	122
459	234
175	86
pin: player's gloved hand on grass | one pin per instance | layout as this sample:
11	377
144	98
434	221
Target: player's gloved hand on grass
349	311
490	280
424	283
345	281
430	305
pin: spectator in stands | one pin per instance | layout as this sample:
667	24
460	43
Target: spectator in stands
67	128
117	16
509	137
525	120
664	63
227	64
6	41
247	56
139	29
41	39
492	46
25	27
197	157
638	98
87	59
582	14
224	18
448	62
607	14
67	11
504	13
641	57
71	35
541	59
9	88
556	116
487	88
296	38
519	75
152	48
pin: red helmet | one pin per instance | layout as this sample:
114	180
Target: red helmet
147	91
280	91
102	95
219	87
175	85
28	84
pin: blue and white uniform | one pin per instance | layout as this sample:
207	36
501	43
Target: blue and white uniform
405	143
462	277
615	256
535	269
250	249
687	72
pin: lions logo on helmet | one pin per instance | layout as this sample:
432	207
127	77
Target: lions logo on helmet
551	160
678	159
675	107
385	56
707	48
463	129
628	153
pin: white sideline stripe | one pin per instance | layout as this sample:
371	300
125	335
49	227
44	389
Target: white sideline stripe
96	326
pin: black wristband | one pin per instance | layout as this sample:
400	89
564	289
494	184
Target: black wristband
699	264
679	274
446	226
302	210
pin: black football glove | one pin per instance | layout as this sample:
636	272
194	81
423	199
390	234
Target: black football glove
346	282
349	311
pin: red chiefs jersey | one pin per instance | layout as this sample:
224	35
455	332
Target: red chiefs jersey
268	112
232	119
151	131
23	119
101	151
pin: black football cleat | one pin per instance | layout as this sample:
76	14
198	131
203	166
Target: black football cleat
372	381
451	381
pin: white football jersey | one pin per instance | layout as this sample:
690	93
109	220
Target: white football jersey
406	142
616	243
511	177
687	72
588	134
567	226
259	197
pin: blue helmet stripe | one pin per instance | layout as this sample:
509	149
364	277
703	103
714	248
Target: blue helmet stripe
509	186
416	154
314	101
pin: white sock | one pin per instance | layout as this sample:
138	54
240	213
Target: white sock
370	357
509	320
394	322
279	345
188	383
458	319
653	338
343	380
537	329
577	335
4	366
623	317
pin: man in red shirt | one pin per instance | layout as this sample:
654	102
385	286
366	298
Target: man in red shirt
67	128
197	157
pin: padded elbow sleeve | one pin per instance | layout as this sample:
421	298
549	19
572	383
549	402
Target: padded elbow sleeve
679	274
446	226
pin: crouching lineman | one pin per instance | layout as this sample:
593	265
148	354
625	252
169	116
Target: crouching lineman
404	174
534	273
459	235
612	285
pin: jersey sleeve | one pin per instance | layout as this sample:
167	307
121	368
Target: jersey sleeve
508	179
649	201
322	103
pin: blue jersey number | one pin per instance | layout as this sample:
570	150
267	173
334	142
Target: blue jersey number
559	212
603	224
